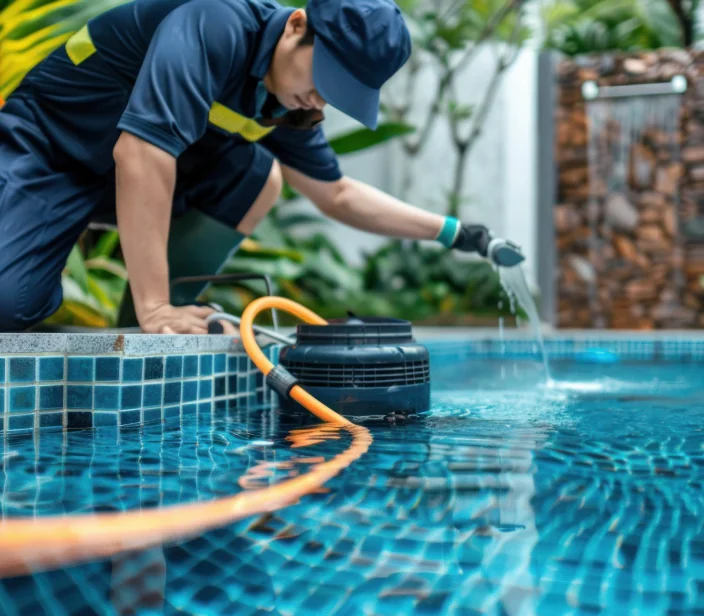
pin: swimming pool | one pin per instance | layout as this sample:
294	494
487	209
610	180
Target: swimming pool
508	497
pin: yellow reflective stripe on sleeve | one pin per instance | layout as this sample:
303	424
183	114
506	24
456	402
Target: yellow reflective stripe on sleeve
235	123
80	46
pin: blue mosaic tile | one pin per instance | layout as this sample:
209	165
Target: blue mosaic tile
172	393
243	363
205	389
22	399
2	401
130	418
105	420
23	370
190	391
171	412
2	423
152	415
232	363
51	368
51	420
206	365
152	395
220	406
51	397
205	410
107	397
132	370
2	370
242	384
219	386
107	369
21	422
81	369
190	410
131	397
220	363
190	366
174	366
259	379
79	420
153	368
232	385
79	397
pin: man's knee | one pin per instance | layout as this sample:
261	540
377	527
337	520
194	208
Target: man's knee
22	306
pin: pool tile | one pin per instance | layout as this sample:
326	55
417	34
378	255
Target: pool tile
23	370
51	397
79	397
206	365
205	389
105	420
190	391
153	368
76	420
22	399
190	410
130	418
232	385
132	370
219	386
2	371
131	397
171	412
220	363
152	395
243	364
172	393
21	422
107	397
205	409
152	415
174	366
232	363
51	420
51	368
81	369
107	369
190	366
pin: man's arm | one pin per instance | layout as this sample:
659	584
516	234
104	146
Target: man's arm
145	179
366	208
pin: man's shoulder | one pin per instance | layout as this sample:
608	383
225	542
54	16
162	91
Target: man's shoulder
249	13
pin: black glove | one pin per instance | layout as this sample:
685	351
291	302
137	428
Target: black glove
473	238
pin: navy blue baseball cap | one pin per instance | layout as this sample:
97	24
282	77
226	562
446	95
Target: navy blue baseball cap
359	45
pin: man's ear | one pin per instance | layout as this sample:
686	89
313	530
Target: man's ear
297	23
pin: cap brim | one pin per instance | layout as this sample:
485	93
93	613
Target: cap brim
342	89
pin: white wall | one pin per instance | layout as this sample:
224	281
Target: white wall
500	173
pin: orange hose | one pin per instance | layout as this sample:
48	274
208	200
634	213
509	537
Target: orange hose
31	545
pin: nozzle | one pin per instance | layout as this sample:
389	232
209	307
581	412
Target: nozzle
505	253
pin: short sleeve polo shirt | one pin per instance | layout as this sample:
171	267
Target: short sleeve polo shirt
168	71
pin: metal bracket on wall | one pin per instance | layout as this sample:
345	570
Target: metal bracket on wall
677	85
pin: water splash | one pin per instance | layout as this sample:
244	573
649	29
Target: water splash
513	281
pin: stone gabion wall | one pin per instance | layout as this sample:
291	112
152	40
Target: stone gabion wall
634	258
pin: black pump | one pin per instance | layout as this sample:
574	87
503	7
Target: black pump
360	366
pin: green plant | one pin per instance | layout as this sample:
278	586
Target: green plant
588	26
94	282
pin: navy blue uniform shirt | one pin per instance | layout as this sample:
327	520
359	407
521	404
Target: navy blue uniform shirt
170	72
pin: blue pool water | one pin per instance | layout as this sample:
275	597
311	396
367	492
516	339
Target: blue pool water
509	497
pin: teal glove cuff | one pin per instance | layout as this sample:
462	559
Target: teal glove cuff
449	232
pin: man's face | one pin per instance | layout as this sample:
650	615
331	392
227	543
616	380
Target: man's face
290	76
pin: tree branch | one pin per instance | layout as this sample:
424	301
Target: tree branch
686	21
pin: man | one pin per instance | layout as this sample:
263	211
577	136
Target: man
158	106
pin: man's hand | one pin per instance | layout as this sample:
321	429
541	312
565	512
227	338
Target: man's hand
168	319
473	238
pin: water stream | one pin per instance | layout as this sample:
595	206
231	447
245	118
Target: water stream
513	281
